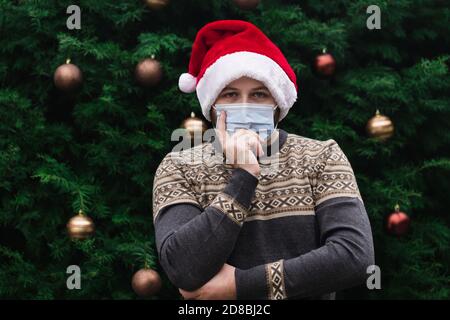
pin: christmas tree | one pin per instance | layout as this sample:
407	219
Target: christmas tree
93	142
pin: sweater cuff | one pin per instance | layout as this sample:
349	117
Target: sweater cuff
263	282
241	187
251	284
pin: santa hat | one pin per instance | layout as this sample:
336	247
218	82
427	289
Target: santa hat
226	50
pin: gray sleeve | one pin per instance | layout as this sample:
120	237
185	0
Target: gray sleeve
193	244
340	262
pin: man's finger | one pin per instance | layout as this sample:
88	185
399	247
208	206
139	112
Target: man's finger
189	295
253	142
260	150
222	129
221	124
251	133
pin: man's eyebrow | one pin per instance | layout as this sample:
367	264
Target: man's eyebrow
229	88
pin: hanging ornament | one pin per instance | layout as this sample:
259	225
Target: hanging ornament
324	64
380	127
148	72
80	226
398	222
157	4
246	4
67	76
194	126
146	282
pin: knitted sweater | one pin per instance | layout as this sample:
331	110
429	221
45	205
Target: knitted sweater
299	231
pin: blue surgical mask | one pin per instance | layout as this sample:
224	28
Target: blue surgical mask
254	116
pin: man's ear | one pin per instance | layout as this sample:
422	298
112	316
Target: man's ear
212	116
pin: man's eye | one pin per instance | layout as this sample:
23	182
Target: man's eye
260	94
229	94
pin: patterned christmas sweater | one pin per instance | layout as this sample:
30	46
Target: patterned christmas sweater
297	231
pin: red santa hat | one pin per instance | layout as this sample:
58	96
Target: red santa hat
226	50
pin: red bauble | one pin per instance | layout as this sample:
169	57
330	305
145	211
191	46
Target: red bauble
325	65
398	222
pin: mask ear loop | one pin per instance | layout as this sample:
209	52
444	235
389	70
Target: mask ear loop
274	109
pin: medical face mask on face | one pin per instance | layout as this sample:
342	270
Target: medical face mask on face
254	116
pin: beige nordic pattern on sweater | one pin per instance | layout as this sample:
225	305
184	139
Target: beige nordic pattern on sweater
308	172
230	207
275	280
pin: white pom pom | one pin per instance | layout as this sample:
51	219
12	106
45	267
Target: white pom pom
187	82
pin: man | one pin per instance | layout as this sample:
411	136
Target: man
244	228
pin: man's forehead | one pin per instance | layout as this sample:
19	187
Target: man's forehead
253	88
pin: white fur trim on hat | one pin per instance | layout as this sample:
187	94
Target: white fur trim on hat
187	82
234	65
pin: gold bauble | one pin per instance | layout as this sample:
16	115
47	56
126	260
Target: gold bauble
380	127
146	282
148	72
67	77
80	226
194	126
157	4
247	4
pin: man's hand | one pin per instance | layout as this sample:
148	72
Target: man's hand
221	287
241	148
